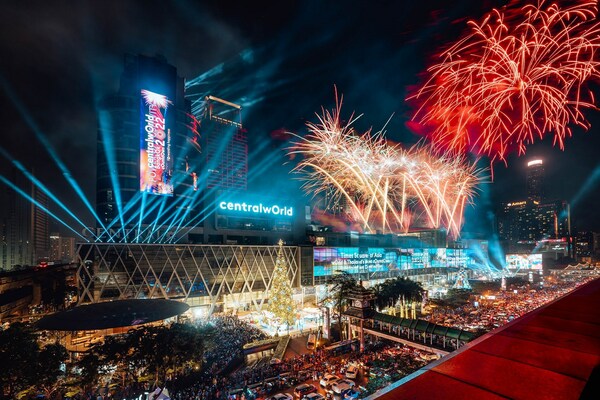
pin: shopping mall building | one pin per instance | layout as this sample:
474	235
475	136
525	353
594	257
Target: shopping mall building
178	220
226	277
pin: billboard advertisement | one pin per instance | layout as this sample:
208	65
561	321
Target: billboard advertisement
524	261
353	260
357	260
422	258
156	161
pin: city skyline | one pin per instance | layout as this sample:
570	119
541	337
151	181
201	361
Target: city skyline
59	69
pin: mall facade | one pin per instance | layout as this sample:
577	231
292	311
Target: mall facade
177	218
216	278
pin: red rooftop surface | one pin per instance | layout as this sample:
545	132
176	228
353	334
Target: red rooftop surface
549	353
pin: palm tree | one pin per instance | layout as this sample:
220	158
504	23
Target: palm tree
342	283
390	291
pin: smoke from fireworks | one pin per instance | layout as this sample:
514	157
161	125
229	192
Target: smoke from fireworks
516	77
383	187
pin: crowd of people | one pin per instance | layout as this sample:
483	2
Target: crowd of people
490	311
225	375
230	334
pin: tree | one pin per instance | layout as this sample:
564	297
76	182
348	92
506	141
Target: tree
89	365
144	350
281	302
19	352
24	365
390	291
342	284
50	377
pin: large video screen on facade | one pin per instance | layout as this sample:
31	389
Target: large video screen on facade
156	161
356	260
352	260
422	258
524	261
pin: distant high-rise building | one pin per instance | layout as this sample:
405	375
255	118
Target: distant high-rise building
535	180
148	150
523	224
514	222
553	220
584	244
62	248
25	225
224	146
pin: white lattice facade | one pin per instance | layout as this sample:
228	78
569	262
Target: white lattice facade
214	276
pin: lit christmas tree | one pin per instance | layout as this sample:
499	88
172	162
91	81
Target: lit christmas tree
281	303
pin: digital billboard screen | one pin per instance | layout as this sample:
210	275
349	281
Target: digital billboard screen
524	261
156	161
353	260
422	258
456	258
356	260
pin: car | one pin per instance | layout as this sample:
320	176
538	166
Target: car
352	372
314	396
281	396
327	380
350	394
304	389
342	385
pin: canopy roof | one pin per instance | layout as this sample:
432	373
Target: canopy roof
112	314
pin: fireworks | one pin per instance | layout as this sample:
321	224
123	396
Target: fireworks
385	187
518	76
158	100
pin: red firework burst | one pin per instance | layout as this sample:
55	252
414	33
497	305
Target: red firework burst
517	76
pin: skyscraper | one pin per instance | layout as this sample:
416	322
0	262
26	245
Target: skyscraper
25	225
523	224
225	147
62	248
535	180
148	151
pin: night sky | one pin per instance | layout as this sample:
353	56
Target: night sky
280	61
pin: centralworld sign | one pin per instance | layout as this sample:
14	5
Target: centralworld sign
260	208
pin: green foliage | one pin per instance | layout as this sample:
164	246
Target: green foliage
150	349
49	361
341	284
17	344
24	365
390	291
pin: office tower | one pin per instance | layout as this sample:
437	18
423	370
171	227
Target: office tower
62	248
225	147
25	225
148	151
523	224
535	180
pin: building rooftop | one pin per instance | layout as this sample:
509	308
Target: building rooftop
549	353
112	314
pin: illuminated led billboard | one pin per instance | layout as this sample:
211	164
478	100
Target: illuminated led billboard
355	260
524	261
156	161
352	260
